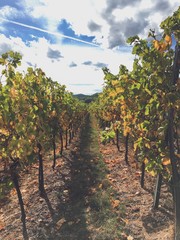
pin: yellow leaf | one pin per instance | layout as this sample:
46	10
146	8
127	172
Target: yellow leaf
4	132
123	107
119	90
112	94
163	46
53	113
166	161
114	82
13	92
126	130
135	146
41	105
168	39
35	99
152	173
147	145
156	44
146	160
130	238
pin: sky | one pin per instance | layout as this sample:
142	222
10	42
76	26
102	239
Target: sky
71	41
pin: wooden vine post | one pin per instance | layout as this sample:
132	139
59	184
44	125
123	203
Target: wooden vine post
171	139
157	191
14	177
41	173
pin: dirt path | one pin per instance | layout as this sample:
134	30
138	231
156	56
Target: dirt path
90	195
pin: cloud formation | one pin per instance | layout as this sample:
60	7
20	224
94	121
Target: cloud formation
162	6
100	65
94	26
74	41
116	4
89	63
72	64
10	12
105	22
54	54
4	47
97	65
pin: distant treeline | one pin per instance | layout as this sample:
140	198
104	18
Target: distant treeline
87	98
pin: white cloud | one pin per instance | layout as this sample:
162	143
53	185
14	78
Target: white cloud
110	21
78	13
77	79
9	12
105	13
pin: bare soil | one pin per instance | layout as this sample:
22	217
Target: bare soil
62	212
142	221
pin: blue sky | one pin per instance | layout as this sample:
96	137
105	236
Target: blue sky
72	40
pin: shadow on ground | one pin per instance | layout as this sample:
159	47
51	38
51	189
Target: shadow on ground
69	221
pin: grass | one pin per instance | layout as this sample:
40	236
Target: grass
102	217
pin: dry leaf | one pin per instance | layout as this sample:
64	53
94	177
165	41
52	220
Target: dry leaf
13	192
60	223
130	238
115	203
2	226
23	190
124	178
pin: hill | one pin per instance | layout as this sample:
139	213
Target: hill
86	98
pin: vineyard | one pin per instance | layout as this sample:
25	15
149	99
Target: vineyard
76	170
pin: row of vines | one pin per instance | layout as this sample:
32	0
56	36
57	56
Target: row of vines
143	105
36	113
